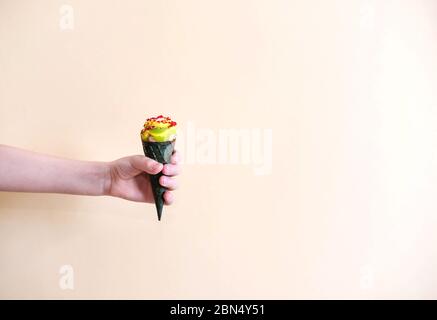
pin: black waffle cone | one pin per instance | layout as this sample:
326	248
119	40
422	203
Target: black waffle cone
161	152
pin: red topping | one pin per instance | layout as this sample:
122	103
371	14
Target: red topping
160	119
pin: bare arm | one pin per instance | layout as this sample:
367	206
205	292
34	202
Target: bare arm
26	171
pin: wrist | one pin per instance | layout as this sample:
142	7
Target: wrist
104	178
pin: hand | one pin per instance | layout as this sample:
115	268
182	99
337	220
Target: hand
129	178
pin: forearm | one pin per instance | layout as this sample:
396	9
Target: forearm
25	171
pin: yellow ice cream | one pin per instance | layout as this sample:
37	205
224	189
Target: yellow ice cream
159	129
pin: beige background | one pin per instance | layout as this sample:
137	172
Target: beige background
348	88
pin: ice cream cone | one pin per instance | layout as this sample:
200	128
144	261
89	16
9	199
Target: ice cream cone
161	152
158	136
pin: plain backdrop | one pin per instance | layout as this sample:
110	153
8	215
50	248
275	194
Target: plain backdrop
348	89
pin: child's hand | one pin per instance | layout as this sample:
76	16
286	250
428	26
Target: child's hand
129	179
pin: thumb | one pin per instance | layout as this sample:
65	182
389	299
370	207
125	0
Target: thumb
145	164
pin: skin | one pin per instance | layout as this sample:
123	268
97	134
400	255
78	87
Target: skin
127	178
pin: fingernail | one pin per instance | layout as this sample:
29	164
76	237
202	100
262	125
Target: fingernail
156	166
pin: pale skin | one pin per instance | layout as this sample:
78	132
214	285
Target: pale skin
127	178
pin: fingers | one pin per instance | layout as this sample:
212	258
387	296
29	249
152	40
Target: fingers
145	164
168	182
151	166
175	157
168	198
173	168
170	170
